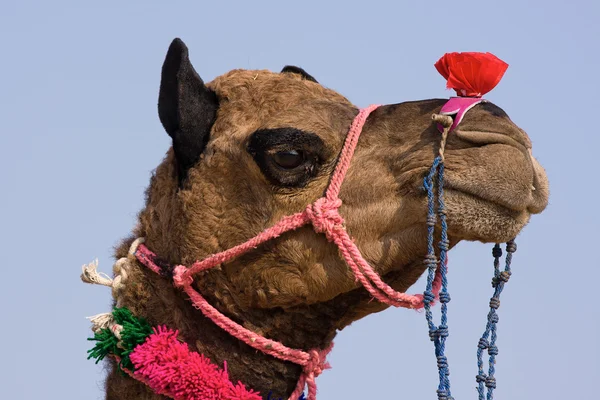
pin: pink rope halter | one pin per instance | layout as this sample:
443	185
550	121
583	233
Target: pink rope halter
323	215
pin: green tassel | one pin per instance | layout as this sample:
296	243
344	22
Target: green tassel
106	344
135	331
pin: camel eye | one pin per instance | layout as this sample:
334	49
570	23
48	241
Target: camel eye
289	159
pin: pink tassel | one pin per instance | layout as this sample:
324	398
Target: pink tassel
171	369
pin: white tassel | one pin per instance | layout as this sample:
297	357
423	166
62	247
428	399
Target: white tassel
91	275
101	321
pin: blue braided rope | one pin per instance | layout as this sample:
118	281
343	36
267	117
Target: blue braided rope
437	334
500	278
444	295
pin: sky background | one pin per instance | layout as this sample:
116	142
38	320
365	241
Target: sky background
80	136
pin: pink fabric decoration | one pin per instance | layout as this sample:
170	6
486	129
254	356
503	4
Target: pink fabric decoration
458	106
325	218
169	367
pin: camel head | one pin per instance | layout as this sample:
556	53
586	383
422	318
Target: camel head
251	147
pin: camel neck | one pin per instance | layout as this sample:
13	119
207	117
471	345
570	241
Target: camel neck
292	340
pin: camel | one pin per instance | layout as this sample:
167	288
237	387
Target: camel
253	146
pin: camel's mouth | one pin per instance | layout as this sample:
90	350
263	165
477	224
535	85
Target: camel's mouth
503	172
532	201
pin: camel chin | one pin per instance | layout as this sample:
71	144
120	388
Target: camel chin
476	219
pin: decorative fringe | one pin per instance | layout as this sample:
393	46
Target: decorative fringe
107	344
156	357
119	338
171	369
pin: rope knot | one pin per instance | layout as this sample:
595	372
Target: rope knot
316	364
444	244
490	382
444	297
511	247
180	279
501	278
431	220
430	260
428	297
495	303
311	369
442	331
442	362
496	251
324	215
442	394
504	276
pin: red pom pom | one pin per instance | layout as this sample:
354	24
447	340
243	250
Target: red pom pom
471	74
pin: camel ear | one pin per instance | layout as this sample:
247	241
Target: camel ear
297	70
186	107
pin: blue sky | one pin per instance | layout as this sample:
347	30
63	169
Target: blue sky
80	136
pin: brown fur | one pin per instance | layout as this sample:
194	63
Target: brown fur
297	289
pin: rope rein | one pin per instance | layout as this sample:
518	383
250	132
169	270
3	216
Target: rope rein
500	278
439	334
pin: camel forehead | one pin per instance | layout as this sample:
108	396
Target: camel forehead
258	99
267	85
